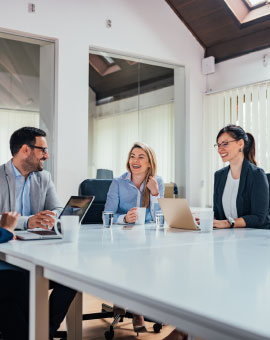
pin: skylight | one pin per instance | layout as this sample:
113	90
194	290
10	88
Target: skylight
249	12
108	59
253	3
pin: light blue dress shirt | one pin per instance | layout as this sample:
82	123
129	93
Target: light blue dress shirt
124	195
23	199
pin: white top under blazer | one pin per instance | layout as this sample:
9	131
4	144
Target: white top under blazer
229	196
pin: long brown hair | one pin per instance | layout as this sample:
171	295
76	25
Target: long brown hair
238	133
151	171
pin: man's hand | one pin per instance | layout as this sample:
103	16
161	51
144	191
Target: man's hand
131	215
9	221
43	219
152	185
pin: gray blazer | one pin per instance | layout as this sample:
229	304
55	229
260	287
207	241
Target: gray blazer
42	191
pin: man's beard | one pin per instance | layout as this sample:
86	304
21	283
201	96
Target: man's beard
30	165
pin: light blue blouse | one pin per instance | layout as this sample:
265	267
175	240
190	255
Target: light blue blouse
124	195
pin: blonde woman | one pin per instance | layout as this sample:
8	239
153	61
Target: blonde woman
138	187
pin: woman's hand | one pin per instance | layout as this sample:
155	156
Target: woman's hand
152	185
9	221
221	224
131	216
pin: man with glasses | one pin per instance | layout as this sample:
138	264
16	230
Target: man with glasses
29	190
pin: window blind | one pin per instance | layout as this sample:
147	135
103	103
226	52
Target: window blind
114	136
248	107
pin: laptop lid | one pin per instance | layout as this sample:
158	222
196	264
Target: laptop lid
177	213
76	205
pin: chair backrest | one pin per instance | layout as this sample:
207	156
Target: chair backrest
98	188
268	177
104	174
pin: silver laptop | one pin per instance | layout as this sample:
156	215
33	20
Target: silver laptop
177	213
76	205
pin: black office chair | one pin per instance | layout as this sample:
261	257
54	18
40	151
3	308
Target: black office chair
99	189
268	178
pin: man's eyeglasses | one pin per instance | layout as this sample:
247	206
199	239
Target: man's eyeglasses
224	144
44	150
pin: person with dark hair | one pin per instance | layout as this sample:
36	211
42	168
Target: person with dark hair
241	190
14	298
25	135
25	187
29	190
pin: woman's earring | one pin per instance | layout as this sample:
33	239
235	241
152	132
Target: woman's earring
240	150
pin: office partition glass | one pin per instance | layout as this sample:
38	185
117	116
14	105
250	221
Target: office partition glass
27	73
130	100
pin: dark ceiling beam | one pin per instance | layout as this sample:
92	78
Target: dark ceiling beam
219	31
186	23
127	93
230	49
135	88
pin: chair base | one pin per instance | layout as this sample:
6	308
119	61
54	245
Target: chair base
107	312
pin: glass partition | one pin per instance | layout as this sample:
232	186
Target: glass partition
130	100
26	90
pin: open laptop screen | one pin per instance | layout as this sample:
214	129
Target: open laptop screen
77	205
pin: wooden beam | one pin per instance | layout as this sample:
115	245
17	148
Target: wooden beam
242	45
185	23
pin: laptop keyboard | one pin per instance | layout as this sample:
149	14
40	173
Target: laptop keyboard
43	232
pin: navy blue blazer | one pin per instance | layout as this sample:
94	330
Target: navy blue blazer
5	235
252	201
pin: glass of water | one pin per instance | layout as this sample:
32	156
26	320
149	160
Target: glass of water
107	218
159	219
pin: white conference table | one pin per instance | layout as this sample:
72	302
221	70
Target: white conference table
213	285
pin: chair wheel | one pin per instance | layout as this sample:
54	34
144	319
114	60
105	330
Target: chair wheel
157	327
109	335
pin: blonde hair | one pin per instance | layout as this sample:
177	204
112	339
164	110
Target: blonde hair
151	171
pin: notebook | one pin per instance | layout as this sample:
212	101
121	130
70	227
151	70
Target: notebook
76	205
177	213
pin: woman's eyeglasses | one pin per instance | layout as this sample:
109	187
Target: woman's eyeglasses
224	144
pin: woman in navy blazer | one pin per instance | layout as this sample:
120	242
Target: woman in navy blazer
14	292
8	223
241	190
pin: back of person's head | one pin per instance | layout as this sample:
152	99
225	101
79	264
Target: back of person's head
151	172
238	133
26	135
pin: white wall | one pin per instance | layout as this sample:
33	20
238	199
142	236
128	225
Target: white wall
240	71
148	28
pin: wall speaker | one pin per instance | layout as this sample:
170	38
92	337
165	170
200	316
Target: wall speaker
208	65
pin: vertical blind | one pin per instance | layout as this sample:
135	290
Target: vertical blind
114	136
248	107
11	120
